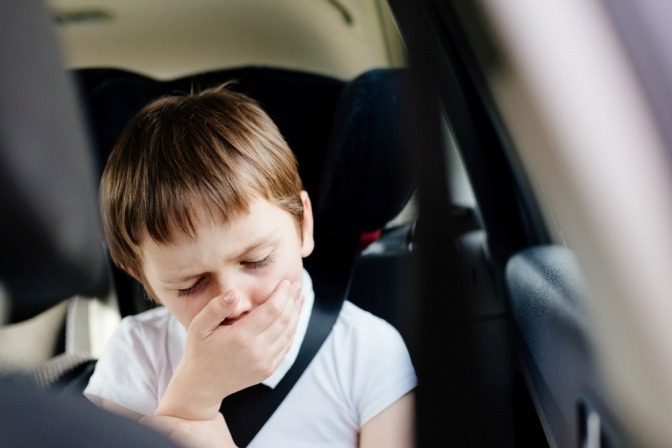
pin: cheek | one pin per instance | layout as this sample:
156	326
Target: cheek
264	285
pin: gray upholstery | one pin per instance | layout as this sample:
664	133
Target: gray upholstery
49	237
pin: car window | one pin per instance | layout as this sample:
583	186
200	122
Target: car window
572	96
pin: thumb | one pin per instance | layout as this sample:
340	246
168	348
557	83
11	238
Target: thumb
213	314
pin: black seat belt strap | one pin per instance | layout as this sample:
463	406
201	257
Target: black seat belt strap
247	411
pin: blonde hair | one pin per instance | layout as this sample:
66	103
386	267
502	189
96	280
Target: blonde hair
215	149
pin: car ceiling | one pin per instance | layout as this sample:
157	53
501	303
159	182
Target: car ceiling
171	38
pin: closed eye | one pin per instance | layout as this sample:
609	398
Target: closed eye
258	264
192	289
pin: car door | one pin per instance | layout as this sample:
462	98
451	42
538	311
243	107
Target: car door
558	110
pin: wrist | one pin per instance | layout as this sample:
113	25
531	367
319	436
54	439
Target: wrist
186	400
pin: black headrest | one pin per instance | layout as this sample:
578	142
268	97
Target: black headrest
347	136
301	104
49	235
366	177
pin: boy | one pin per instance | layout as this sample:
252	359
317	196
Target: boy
202	203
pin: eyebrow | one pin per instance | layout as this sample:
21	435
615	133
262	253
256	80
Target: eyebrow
262	241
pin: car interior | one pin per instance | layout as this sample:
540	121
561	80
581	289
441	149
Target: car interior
467	188
346	137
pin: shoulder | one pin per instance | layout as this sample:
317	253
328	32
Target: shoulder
372	361
150	334
154	321
138	335
134	365
138	340
358	334
154	318
357	322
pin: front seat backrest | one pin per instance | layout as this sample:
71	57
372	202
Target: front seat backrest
49	237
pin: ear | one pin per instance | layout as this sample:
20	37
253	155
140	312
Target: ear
307	241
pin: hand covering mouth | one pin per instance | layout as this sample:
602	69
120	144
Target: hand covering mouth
233	320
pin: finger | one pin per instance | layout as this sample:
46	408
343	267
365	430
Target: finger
286	322
281	342
288	318
282	345
282	316
213	314
266	314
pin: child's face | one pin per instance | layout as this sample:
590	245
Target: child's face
251	255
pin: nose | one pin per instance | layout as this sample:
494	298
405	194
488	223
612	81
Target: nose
244	302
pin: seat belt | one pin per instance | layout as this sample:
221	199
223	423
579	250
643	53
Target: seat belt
247	411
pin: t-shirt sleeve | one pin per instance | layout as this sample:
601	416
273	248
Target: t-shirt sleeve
124	374
382	365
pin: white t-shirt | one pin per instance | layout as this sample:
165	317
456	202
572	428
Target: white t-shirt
361	369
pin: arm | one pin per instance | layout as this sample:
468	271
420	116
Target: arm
193	434
117	409
392	427
190	434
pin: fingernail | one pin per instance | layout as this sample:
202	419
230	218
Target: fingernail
228	297
302	298
296	286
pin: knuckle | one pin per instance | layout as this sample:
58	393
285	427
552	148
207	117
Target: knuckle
256	359
285	320
239	342
275	308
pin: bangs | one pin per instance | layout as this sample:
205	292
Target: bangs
210	174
